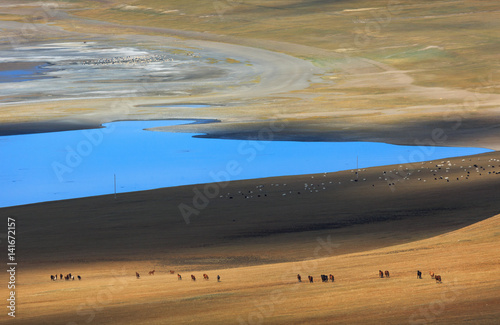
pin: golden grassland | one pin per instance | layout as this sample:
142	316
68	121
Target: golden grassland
259	244
270	294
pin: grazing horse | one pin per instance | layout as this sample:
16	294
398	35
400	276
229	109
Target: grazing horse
79	278
380	273
152	272
53	278
193	277
311	280
299	278
179	277
205	276
419	275
137	275
431	273
324	278
332	278
438	278
172	272
387	274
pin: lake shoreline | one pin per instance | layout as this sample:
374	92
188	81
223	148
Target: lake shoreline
75	124
80	163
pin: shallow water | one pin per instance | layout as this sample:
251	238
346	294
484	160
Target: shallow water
15	75
101	70
20	75
71	164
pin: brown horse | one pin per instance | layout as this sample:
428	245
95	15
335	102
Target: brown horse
380	273
438	278
311	280
179	277
205	276
193	277
331	278
137	275
172	272
387	274
431	273
152	272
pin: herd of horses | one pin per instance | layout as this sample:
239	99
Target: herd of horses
381	274
325	278
66	277
179	277
431	273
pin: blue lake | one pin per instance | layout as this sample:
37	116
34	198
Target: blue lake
62	165
20	75
15	75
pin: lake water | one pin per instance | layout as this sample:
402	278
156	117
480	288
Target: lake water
15	75
72	164
20	75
